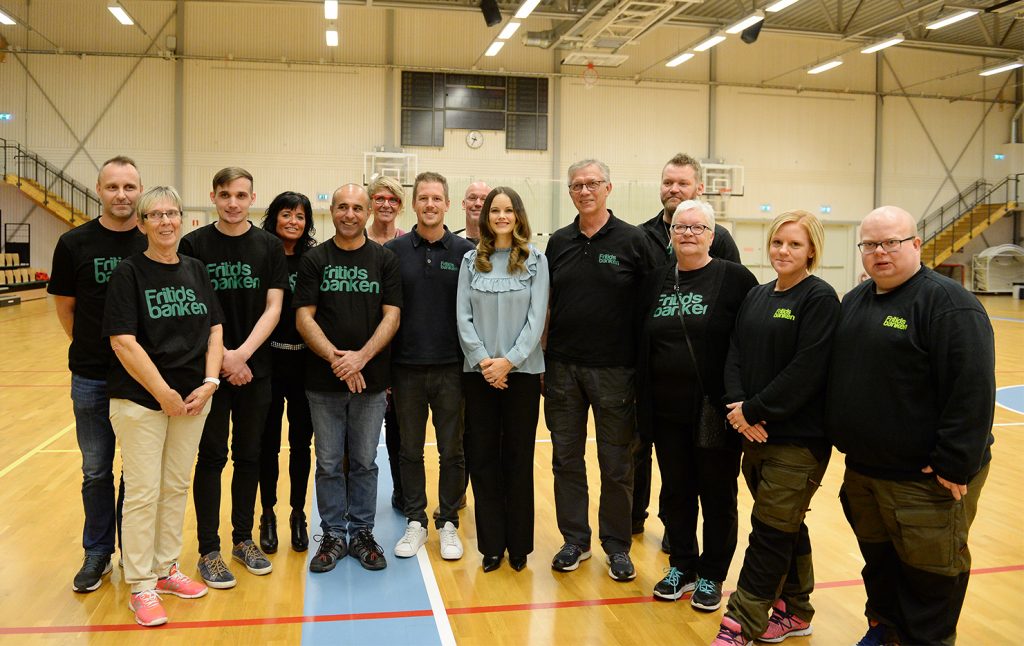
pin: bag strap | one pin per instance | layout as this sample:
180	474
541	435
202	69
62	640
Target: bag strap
689	344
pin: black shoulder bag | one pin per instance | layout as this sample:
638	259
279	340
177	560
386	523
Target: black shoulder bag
711	431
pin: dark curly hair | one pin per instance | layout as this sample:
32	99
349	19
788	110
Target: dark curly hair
290	200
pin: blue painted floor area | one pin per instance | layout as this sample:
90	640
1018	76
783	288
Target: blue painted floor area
351	589
1011	397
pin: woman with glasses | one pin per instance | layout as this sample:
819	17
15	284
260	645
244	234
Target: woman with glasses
386	199
691	303
501	305
290	218
164	325
775	386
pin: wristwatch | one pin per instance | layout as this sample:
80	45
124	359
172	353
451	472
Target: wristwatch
212	380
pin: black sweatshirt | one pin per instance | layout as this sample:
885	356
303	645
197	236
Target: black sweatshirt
778	359
912	380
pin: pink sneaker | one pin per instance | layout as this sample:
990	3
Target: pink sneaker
784	624
147	608
730	634
178	584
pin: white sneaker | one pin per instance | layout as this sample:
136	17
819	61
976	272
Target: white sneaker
451	546
414	538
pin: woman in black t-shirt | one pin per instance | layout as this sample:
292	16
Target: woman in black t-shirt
707	293
290	218
775	391
164	325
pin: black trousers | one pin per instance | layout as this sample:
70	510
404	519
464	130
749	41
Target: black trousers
287	382
695	479
393	441
642	466
501	432
243	409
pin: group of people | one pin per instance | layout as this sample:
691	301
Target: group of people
657	329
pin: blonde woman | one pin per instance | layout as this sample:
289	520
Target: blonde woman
775	383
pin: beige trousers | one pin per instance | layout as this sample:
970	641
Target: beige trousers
157	453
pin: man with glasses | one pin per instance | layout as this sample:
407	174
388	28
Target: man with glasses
910	402
597	264
249	274
83	261
680	181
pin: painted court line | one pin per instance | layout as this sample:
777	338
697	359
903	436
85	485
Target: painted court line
402	614
39	447
444	627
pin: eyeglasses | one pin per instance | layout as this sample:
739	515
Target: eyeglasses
170	214
888	246
591	186
695	229
380	200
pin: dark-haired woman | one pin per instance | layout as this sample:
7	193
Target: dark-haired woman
290	218
501	305
775	386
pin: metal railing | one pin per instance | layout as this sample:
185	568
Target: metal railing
977	194
27	165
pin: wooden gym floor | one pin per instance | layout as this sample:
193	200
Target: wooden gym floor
428	600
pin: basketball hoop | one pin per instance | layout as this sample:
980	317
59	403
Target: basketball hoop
725	193
589	76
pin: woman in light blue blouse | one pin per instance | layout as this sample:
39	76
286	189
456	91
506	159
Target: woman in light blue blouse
502	302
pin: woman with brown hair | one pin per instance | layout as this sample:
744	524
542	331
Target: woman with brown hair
501	305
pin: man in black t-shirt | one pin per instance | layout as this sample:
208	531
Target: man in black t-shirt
680	181
83	261
348	298
427	367
247	268
910	402
597	265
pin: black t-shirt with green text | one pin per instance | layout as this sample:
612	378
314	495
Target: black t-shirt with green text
241	269
83	261
349	290
169	309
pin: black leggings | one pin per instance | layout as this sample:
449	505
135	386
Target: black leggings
287	382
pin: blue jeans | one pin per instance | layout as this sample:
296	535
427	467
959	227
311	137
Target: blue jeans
96	440
352	421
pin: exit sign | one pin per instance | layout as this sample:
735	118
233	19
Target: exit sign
6	116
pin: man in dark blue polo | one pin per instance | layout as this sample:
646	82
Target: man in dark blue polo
427	366
597	264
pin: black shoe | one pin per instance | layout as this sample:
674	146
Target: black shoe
300	539
620	566
518	563
90	576
638	527
365	548
675	584
332	549
268	532
665	547
707	596
492	563
569	557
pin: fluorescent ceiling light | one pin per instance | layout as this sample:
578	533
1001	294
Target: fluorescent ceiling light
509	29
119	13
824	67
679	60
752	19
709	43
6	20
949	20
780	5
1002	68
895	40
527	9
332	37
331	9
494	48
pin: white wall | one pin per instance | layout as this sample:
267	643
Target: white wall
302	115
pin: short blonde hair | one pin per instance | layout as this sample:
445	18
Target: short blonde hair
811	224
389	184
154	195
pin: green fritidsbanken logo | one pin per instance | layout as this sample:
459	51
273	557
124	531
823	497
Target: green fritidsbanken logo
232	275
692	304
341	278
173	302
448	266
895	322
784	313
607	259
102	268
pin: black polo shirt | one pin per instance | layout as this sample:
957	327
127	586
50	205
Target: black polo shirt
430	279
594	286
